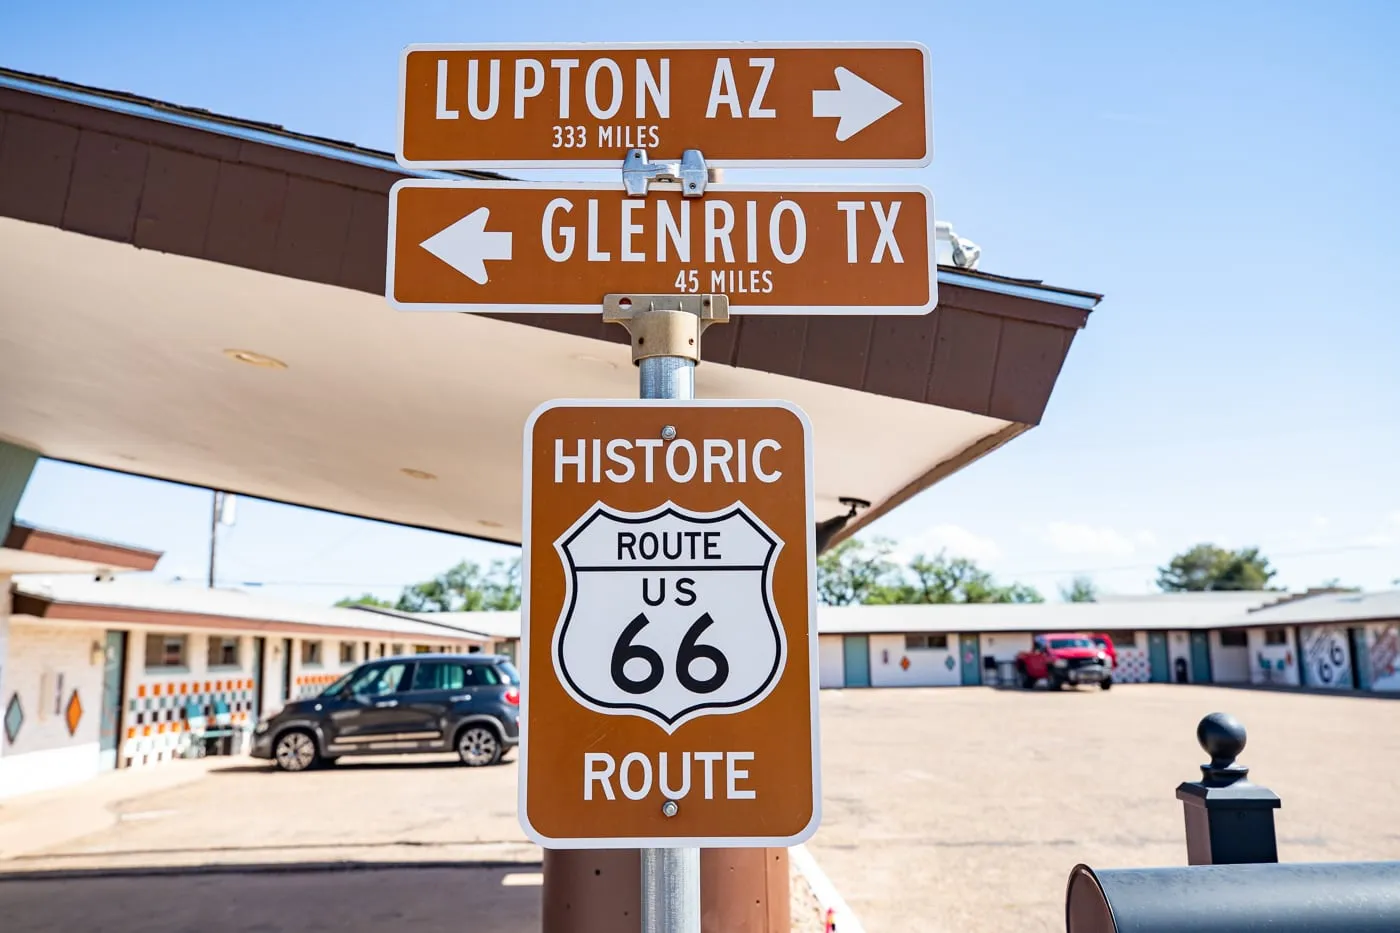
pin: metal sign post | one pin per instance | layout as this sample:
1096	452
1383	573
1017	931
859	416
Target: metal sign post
665	332
668	542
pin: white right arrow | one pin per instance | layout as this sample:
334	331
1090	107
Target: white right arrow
856	101
466	245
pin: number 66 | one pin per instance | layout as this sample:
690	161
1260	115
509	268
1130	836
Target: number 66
689	653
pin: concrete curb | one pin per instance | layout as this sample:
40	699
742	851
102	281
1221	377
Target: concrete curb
258	868
839	916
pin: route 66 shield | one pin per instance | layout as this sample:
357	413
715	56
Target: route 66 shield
669	613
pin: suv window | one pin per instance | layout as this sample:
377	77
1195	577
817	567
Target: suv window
508	673
447	675
377	681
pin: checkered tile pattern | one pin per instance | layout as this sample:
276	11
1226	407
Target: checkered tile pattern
1133	666
157	717
308	685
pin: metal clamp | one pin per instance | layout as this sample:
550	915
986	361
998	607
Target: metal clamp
690	172
665	325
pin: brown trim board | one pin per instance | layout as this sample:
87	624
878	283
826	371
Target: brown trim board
25	604
945	468
57	544
207	194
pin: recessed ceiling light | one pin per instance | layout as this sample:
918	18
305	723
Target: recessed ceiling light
417	474
255	359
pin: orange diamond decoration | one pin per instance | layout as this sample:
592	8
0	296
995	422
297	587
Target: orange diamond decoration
73	714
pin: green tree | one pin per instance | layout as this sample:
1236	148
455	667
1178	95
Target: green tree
366	599
855	572
467	587
1081	589
1207	567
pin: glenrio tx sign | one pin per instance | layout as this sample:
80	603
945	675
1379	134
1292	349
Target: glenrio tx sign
521	246
668	643
743	104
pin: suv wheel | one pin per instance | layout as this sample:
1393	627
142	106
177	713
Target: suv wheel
295	751
1106	683
478	745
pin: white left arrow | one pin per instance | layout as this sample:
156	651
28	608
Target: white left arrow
856	101
467	244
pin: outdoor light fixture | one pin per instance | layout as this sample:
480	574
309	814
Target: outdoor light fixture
417	474
255	359
827	530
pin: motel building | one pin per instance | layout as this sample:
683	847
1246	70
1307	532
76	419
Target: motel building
199	298
101	671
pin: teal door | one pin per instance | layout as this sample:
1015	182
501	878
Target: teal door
1200	658
109	728
971	659
857	655
1157	657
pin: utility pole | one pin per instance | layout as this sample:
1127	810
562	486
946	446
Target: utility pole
214	534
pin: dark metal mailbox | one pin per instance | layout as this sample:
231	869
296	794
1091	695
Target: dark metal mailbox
1345	897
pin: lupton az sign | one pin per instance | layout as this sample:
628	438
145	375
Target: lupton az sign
742	104
669	638
522	246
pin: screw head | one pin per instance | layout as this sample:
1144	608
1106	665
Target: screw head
670	808
668	433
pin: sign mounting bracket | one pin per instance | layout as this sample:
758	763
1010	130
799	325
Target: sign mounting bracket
665	325
690	172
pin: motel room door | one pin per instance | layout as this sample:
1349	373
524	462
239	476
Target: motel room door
971	659
1200	658
109	730
857	652
1158	658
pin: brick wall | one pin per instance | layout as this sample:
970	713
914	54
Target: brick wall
51	701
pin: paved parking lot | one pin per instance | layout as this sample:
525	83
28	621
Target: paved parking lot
945	810
965	809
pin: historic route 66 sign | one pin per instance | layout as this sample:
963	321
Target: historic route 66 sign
669	613
668	649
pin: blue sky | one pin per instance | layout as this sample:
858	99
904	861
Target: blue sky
1224	173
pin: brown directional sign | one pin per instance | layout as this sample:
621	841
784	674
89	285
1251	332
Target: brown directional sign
522	246
669	649
740	104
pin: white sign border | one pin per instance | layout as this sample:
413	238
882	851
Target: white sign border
813	661
551	47
735	306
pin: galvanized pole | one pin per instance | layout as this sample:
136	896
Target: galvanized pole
665	333
670	877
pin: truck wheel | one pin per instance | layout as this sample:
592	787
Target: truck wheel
1056	683
1106	683
1027	681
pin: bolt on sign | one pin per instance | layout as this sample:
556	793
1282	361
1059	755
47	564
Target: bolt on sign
743	104
669	645
560	247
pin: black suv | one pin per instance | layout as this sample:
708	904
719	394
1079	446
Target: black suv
469	704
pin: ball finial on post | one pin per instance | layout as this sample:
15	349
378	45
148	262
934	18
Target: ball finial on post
1223	738
1229	821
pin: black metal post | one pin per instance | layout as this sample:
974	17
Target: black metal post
1229	820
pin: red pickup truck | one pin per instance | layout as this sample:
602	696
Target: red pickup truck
1073	658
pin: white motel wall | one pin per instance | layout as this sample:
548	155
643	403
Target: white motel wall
1325	641
96	675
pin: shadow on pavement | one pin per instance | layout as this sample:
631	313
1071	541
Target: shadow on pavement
419	897
355	764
